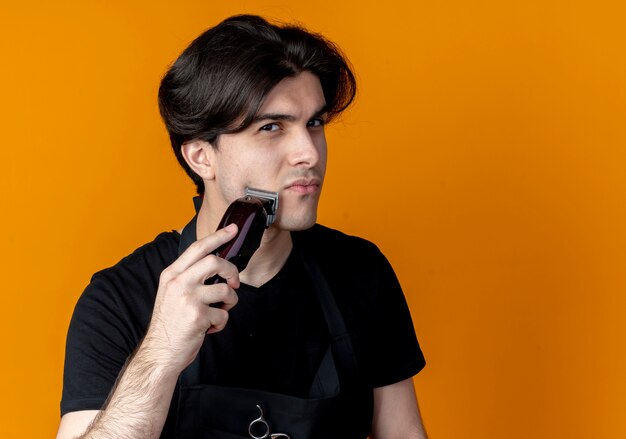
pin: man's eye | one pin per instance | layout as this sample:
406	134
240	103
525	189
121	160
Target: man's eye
270	127
314	123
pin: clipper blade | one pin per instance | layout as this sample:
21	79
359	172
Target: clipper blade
270	205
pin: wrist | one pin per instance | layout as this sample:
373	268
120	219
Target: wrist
158	359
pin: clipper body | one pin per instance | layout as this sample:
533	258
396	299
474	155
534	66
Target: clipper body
252	213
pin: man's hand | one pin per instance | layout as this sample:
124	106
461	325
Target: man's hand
181	318
182	314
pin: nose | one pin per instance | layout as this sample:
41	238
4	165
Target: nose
307	147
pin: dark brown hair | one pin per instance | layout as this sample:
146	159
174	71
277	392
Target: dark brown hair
218	84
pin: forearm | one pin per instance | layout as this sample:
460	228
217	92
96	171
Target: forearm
138	406
396	413
403	429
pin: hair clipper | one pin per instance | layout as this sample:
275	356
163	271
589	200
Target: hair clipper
252	213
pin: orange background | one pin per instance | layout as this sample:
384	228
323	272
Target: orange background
485	156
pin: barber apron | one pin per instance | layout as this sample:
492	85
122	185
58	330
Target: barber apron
339	403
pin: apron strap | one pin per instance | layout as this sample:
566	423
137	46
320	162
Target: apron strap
341	343
334	320
188	236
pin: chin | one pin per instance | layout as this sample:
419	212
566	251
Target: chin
295	224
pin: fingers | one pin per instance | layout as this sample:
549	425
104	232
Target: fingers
216	318
218	293
183	300
202	247
196	264
210	266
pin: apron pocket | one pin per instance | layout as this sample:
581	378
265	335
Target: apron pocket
228	412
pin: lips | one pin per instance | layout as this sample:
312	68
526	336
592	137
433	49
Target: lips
304	186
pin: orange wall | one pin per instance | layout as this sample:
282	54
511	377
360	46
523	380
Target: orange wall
485	156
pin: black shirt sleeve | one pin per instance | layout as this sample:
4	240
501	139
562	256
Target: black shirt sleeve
394	353
109	321
96	349
372	303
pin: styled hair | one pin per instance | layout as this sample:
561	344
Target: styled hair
218	84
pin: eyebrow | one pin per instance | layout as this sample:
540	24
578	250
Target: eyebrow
287	117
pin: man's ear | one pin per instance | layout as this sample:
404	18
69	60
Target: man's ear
199	155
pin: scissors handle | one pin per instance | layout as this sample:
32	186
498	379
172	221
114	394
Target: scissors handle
266	427
259	420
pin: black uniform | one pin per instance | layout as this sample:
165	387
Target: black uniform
308	346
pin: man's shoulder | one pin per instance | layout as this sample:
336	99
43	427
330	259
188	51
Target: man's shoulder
148	260
333	248
122	296
322	238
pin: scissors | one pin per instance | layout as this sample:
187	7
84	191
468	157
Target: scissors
266	427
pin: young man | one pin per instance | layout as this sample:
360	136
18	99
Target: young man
313	339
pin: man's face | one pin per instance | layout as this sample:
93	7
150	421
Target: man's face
283	150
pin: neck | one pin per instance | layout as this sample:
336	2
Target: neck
267	260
